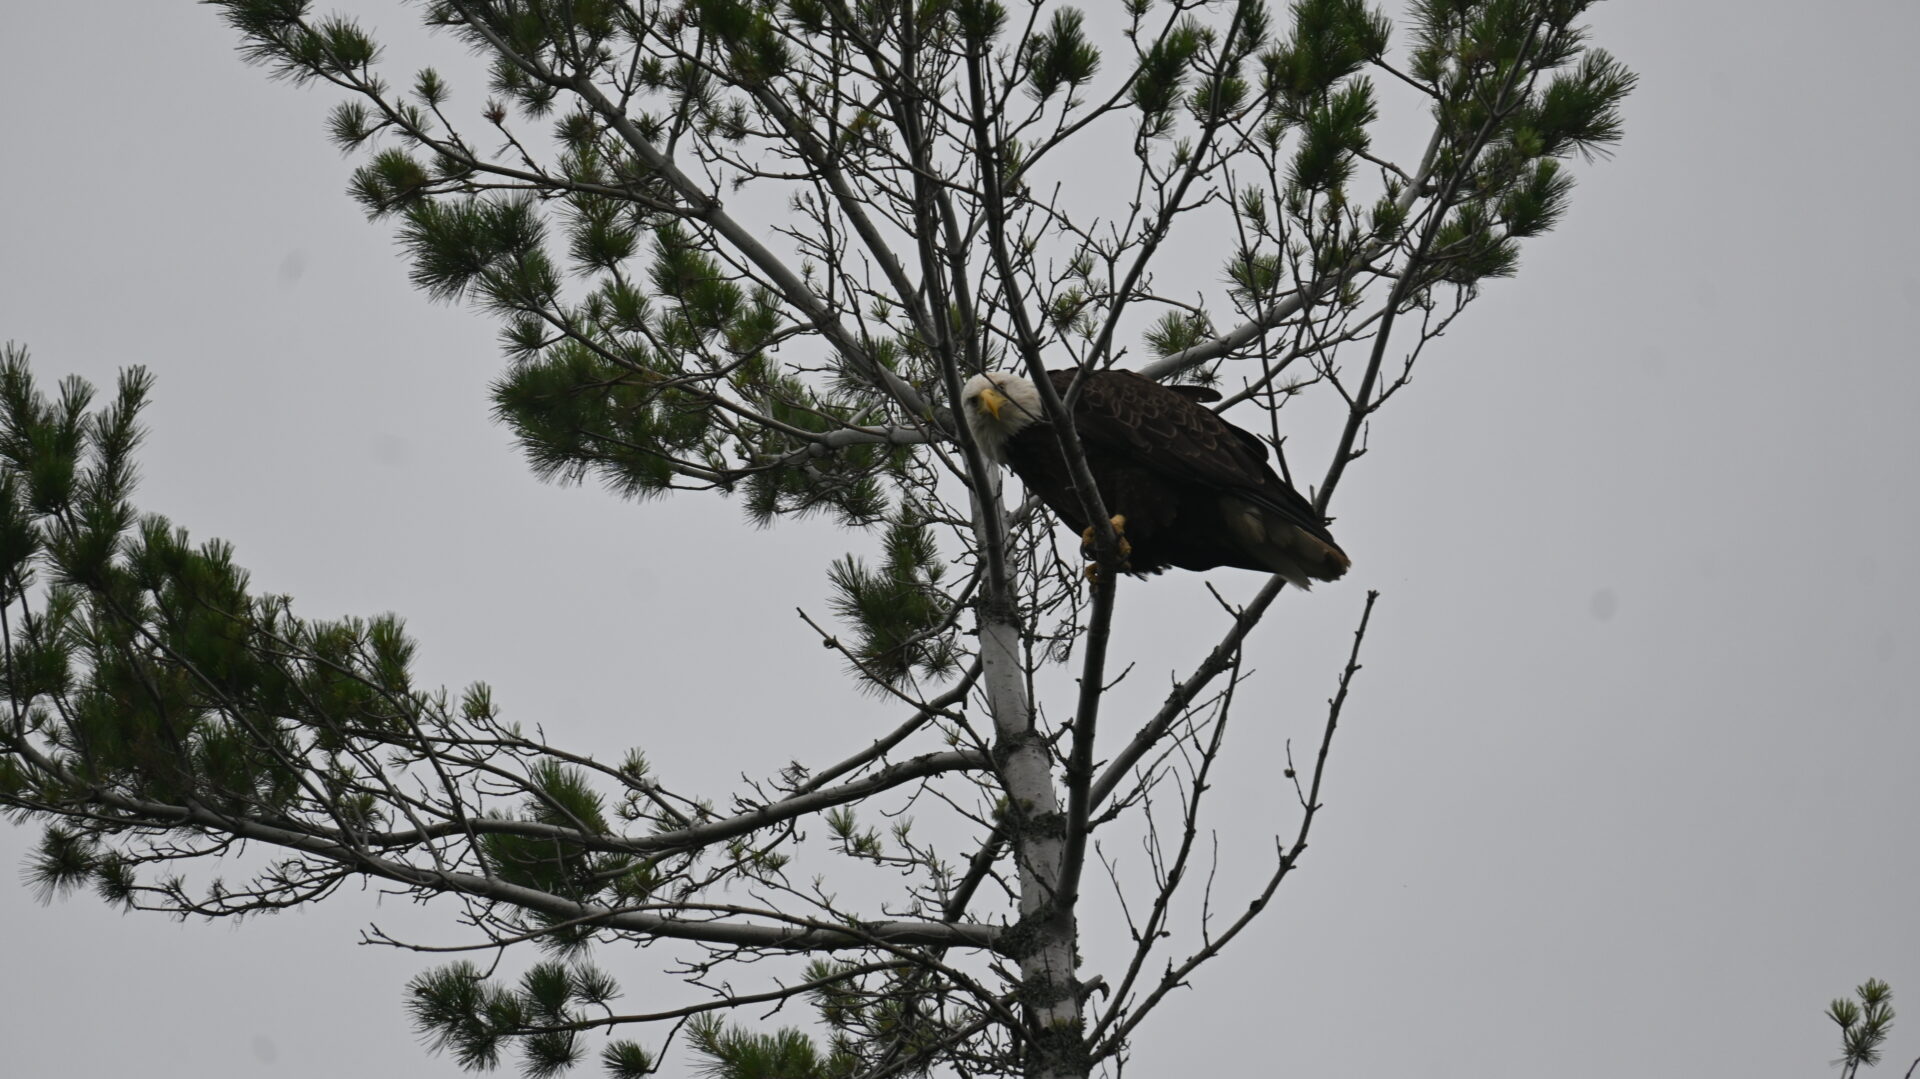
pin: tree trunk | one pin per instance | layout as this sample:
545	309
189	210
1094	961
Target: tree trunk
1044	940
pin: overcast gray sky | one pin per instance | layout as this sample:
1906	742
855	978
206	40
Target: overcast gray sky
1629	785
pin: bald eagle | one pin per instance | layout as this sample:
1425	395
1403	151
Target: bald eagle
1186	488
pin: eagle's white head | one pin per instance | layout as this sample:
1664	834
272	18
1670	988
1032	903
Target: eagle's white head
998	406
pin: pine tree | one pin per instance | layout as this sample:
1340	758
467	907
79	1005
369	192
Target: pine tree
753	249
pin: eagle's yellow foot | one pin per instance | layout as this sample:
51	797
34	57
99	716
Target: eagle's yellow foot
1123	549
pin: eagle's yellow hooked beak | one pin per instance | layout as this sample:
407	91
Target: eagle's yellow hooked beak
991	401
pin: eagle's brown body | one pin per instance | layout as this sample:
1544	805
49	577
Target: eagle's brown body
1196	492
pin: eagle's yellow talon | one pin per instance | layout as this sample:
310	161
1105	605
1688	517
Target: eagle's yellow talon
1121	548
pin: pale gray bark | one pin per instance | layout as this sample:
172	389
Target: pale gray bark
1043	940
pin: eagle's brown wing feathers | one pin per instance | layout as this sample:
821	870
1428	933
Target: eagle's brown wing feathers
1168	430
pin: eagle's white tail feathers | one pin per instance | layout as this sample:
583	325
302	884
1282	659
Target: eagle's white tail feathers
1282	546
